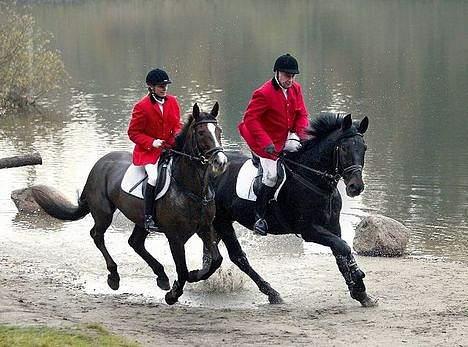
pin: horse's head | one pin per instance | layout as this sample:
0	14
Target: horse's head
206	137
335	150
349	154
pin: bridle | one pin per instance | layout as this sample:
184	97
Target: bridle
330	178
351	169
206	157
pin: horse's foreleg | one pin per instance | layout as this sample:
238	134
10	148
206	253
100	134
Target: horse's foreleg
239	258
137	242
347	265
178	254
102	222
212	259
354	276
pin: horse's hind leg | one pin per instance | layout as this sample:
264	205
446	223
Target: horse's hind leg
178	254
238	257
347	265
212	259
102	221
137	242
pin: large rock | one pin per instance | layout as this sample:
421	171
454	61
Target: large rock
382	236
25	202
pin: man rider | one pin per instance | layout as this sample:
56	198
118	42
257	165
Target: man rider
275	120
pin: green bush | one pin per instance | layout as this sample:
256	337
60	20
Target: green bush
28	67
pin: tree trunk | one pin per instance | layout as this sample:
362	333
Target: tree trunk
21	160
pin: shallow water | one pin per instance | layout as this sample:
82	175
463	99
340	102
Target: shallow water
401	64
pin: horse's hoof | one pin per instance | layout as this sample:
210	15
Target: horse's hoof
275	299
369	301
163	283
113	282
170	299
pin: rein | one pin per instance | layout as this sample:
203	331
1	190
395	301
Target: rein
332	179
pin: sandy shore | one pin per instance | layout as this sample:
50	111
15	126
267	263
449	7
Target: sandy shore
422	302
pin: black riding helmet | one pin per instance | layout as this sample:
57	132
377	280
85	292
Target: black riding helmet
286	63
157	76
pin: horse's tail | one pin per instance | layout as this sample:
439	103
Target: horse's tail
56	204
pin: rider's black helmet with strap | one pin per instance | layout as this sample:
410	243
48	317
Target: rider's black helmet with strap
286	63
157	76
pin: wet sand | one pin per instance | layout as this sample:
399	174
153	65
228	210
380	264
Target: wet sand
422	302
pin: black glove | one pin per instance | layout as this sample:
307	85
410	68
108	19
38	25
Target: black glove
270	149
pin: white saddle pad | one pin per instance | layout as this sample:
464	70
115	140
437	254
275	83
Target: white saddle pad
245	181
134	177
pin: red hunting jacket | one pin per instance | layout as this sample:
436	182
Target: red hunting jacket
270	116
148	124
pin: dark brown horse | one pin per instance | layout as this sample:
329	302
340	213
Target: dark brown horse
187	208
308	203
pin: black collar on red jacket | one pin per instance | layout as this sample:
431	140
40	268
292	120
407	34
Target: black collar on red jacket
275	84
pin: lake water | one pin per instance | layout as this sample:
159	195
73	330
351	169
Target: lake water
404	64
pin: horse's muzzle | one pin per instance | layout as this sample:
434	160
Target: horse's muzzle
354	189
220	162
354	186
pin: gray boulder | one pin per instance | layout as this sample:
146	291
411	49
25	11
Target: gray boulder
380	236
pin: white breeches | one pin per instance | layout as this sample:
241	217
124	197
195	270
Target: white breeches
270	172
152	171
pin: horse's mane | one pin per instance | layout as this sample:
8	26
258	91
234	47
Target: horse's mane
181	137
324	124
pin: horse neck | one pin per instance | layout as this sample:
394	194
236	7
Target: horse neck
319	156
191	175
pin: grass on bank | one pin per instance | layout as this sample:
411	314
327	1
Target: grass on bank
80	336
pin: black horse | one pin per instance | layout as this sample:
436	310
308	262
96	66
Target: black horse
308	204
187	208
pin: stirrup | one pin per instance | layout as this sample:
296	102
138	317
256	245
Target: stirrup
150	225
261	227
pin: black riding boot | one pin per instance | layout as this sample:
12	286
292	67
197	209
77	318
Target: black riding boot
150	224
261	205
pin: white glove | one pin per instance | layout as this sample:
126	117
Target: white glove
293	143
157	143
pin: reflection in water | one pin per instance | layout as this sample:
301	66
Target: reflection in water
402	64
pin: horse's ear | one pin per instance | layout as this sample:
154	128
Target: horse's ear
347	122
196	111
363	125
214	111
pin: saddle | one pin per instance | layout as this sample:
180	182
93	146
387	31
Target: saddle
249	179
135	179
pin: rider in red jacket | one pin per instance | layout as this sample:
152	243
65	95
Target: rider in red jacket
275	120
155	123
